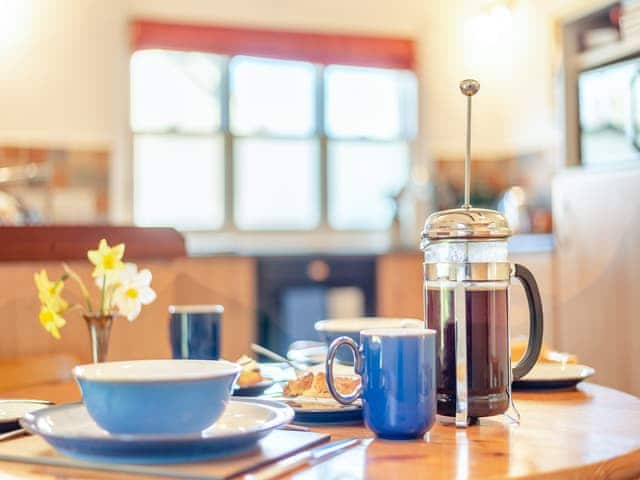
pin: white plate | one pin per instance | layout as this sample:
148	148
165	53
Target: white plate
554	375
72	432
11	411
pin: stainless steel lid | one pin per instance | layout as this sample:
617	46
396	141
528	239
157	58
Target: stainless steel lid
466	223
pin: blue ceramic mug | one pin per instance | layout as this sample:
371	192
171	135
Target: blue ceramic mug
397	368
194	331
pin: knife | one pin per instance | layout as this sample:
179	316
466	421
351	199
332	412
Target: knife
310	457
18	432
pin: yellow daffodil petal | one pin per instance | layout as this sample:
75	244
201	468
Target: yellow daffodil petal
94	256
118	251
106	259
51	321
49	292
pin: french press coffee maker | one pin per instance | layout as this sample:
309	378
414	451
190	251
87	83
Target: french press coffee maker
466	301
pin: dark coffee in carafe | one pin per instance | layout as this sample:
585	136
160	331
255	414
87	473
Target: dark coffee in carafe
488	368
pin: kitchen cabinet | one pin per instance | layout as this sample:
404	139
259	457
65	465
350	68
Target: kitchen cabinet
597	221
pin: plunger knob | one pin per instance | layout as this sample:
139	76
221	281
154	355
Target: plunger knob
469	87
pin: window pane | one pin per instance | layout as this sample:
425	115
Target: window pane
362	178
272	97
276	184
370	103
179	181
178	91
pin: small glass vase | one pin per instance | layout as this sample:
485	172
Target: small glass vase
99	330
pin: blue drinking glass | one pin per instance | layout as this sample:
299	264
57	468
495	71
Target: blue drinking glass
194	331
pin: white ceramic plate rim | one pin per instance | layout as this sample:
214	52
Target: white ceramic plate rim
145	371
283	415
567	372
28	405
341	325
267	382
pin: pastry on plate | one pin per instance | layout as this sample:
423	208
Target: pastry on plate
296	387
315	385
250	374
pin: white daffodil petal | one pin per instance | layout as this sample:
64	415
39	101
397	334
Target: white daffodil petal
146	295
131	269
143	278
134	311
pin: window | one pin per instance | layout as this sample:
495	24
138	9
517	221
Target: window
276	159
178	144
248	143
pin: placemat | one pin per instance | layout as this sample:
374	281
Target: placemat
275	446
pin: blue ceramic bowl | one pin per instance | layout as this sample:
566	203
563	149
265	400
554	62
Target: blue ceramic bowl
156	396
329	330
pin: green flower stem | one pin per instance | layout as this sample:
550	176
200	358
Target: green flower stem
104	285
85	293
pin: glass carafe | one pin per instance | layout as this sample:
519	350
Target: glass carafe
466	300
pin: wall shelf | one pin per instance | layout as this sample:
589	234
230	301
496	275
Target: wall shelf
606	54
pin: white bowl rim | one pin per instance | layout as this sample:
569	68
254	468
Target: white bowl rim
161	370
356	324
398	332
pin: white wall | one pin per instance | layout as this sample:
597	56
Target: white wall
57	62
63	67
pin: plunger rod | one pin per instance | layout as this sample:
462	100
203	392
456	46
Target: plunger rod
468	88
467	159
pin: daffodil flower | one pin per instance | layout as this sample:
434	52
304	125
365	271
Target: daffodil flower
50	292
133	291
107	260
123	289
51	320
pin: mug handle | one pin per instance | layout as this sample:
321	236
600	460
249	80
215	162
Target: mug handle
357	365
534	346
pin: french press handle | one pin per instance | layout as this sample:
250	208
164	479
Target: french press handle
534	346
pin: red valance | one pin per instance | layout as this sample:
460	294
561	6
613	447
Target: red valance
323	48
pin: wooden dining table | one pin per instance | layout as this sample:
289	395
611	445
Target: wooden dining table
588	432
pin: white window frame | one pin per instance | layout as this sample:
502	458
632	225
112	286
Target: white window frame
229	227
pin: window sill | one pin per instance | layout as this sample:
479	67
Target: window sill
334	243
275	243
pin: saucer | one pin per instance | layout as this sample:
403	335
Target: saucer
254	390
11	411
313	410
72	432
553	375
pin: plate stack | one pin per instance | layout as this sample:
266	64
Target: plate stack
630	19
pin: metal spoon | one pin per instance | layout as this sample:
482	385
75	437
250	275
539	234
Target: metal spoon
274	356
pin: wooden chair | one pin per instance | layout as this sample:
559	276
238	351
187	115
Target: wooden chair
32	370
